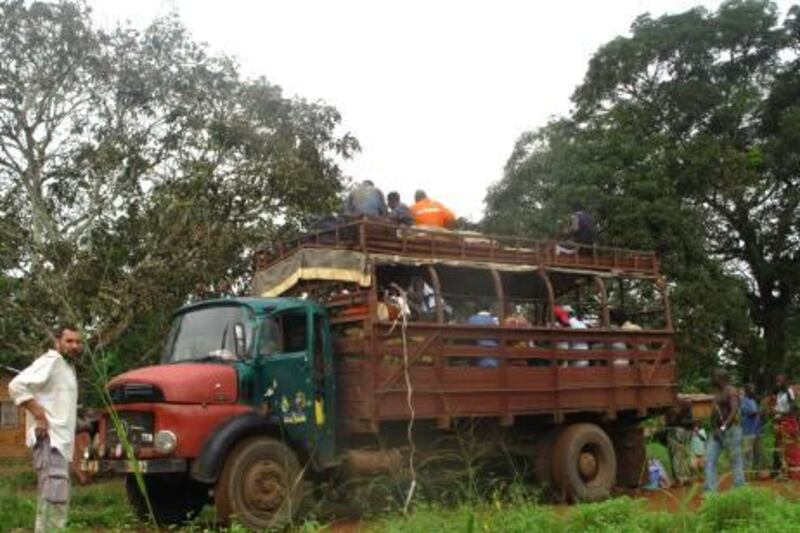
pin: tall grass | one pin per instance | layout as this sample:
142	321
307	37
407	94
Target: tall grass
740	510
103	507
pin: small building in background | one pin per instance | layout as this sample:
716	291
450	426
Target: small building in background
12	422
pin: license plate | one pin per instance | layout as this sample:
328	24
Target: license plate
119	466
130	466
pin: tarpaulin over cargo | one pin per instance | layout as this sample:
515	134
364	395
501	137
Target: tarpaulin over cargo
312	264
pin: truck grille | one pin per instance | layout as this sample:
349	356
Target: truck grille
135	393
138	426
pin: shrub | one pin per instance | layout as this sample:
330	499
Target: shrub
610	515
748	509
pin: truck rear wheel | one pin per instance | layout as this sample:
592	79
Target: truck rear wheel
261	485
584	463
174	498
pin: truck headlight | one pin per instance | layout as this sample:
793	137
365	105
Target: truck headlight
165	441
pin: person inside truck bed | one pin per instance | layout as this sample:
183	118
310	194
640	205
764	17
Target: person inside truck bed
618	319
515	319
422	301
567	318
484	317
429	212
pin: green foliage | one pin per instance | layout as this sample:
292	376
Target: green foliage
139	171
681	141
103	506
747	509
742	509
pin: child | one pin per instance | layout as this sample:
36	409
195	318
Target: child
698	449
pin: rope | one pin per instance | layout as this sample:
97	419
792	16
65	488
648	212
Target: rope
403	318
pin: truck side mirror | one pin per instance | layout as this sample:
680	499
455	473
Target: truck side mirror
240	340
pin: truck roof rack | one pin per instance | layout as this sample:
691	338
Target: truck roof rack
371	236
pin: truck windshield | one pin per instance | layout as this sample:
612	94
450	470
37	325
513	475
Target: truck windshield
208	333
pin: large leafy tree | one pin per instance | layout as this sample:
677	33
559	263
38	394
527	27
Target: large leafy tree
137	170
684	138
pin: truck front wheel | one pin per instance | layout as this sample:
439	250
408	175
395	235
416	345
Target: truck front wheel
174	498
261	485
584	463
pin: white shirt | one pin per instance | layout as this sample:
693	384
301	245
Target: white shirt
784	401
576	323
50	380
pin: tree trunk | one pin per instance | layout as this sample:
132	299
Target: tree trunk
773	321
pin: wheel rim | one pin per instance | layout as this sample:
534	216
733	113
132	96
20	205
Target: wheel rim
264	488
589	460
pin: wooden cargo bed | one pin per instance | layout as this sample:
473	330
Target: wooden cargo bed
533	376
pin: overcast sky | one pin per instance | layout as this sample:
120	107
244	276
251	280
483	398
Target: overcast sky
436	91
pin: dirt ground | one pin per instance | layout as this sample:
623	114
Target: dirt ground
675	498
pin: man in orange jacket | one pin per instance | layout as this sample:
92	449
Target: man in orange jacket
427	212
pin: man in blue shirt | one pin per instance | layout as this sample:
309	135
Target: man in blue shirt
751	429
485	318
365	200
398	211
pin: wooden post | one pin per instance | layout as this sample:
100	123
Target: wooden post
601	288
362	236
437	293
500	294
373	355
661	283
551	297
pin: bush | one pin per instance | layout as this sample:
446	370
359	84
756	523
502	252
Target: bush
612	515
748	509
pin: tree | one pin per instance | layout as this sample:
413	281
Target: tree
684	139
137	170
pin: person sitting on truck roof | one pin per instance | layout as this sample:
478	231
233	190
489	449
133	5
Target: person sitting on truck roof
579	231
365	200
398	211
429	212
581	227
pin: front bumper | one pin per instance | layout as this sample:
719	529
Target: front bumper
124	466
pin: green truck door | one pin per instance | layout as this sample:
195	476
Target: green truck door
299	380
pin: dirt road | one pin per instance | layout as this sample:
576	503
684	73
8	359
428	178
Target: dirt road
677	498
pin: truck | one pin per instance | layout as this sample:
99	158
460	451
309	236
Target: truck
358	344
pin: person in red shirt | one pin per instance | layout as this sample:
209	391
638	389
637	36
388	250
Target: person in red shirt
427	212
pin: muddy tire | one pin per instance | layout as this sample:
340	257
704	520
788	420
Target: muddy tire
174	498
584	464
261	485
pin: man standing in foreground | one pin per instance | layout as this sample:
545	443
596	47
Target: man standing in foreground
48	391
726	431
